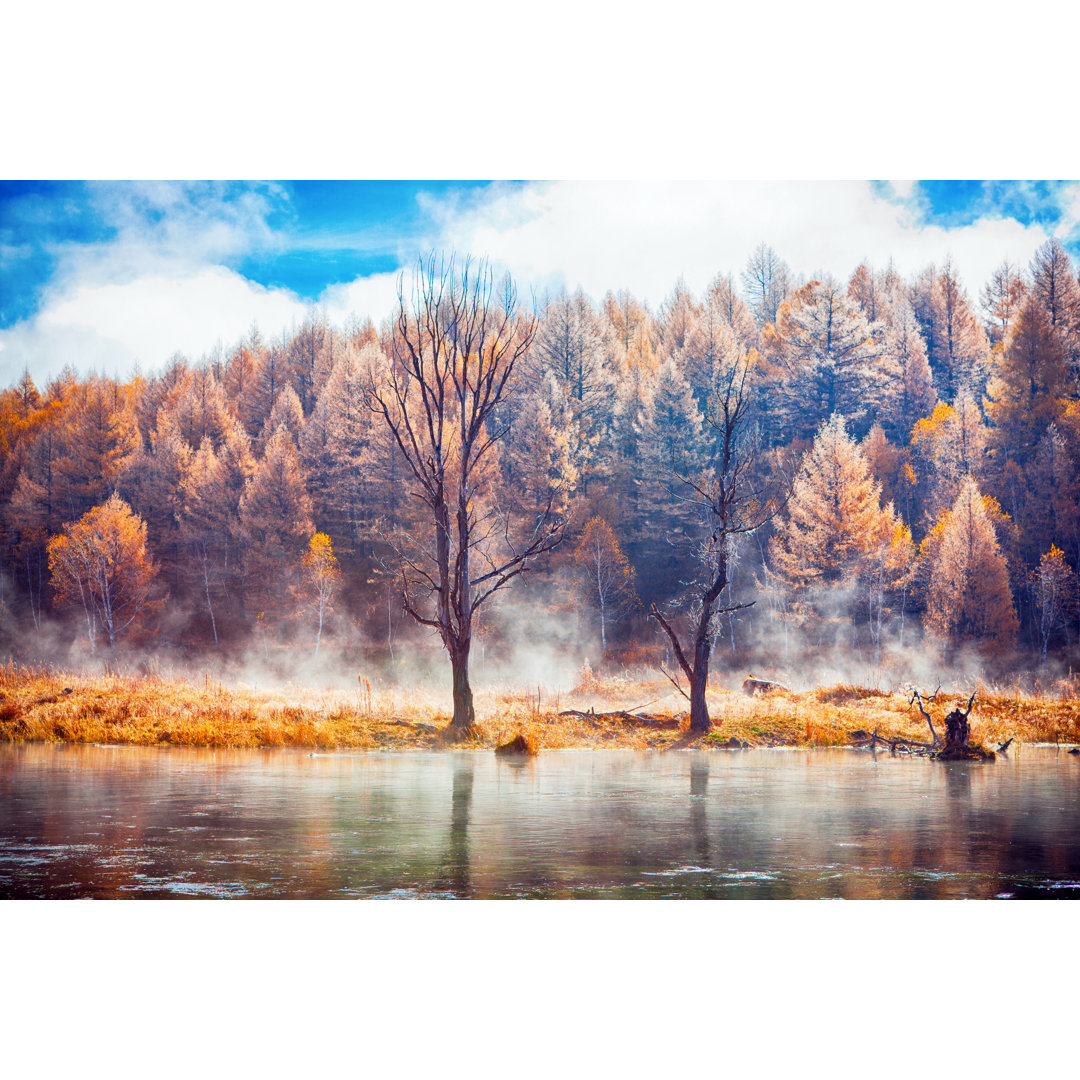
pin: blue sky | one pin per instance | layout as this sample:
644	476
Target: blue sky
104	275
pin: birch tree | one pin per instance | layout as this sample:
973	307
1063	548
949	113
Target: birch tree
605	571
322	577
101	563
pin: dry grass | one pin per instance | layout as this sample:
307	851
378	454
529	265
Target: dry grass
51	706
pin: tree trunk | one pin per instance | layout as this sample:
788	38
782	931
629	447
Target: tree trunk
464	721
209	605
699	711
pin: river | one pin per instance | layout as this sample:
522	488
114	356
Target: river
113	822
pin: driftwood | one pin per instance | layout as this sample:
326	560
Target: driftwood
894	743
915	696
645	719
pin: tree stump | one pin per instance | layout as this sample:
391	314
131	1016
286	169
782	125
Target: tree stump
957	733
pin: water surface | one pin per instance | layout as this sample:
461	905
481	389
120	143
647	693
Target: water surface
111	822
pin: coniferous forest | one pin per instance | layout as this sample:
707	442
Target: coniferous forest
911	450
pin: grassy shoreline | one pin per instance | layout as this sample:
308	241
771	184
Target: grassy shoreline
38	705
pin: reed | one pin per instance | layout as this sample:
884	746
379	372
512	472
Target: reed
46	705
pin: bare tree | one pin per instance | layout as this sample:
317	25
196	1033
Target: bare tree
729	499
767	281
453	351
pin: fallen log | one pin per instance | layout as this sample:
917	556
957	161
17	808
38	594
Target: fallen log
647	719
894	743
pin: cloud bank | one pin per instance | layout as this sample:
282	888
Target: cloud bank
168	275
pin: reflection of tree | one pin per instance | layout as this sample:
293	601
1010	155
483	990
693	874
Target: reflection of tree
455	870
699	825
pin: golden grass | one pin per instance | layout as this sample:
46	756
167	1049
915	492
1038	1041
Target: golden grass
54	706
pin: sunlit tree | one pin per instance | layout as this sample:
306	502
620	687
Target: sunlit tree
322	578
101	563
605	572
1052	586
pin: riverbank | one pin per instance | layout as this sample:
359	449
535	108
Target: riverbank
55	706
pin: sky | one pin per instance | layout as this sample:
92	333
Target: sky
106	275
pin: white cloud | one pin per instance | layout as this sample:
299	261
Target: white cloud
642	236
374	296
107	327
157	286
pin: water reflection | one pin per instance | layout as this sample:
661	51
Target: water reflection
454	877
93	821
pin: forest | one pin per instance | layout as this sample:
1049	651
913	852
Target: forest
910	447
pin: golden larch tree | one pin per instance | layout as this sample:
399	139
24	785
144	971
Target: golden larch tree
969	597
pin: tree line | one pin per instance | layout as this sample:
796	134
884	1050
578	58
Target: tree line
897	459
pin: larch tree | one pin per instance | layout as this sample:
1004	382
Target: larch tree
671	449
285	413
834	534
723	298
960	351
1001	299
535	458
275	522
911	394
605	572
151	483
454	348
101	563
767	282
677	316
1030	384
100	436
309	359
1054	286
947	446
710	338
196	408
830	359
572	347
335	446
207	524
969	597
633	330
